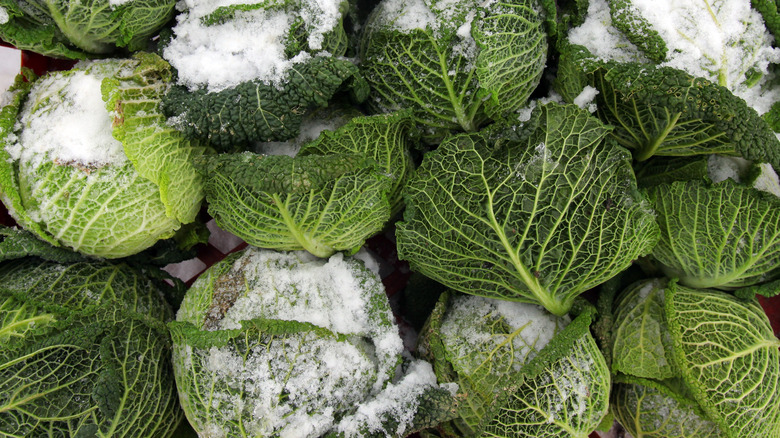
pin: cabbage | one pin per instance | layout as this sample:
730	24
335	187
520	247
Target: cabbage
85	351
89	163
693	362
271	343
520	370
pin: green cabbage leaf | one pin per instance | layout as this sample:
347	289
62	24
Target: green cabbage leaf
724	235
664	111
320	203
255	111
537	214
383	138
85	351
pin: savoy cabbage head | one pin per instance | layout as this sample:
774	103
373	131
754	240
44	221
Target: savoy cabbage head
520	370
693	362
85	351
79	30
340	189
537	213
271	343
456	64
232	90
88	161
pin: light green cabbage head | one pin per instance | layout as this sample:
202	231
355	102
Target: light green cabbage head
89	163
273	343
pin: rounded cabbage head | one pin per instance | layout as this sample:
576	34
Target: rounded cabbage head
271	343
89	163
693	362
520	370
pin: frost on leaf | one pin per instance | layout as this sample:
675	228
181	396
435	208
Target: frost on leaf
270	343
520	370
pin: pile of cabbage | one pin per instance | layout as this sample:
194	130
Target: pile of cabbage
581	199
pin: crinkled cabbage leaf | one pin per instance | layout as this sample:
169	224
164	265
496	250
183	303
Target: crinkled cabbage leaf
384	138
538	213
650	409
729	43
253	111
724	235
320	203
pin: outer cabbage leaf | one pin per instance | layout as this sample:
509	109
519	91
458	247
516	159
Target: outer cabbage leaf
258	111
539	215
511	381
9	183
84	220
729	358
82	285
664	111
78	30
17	243
724	235
649	409
383	138
29	32
158	152
471	63
322	204
641	344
